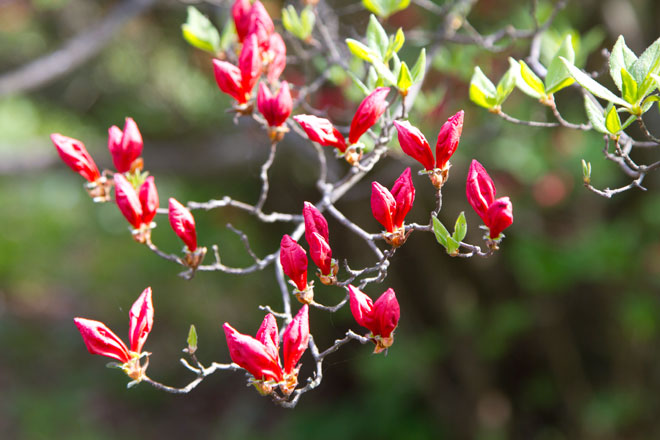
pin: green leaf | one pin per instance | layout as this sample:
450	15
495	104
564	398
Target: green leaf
396	65
291	21
621	57
647	63
506	84
629	87
307	20
533	81
192	339
405	79
441	233
482	91
593	86
399	39
383	72
558	76
228	35
419	69
360	85
595	114
630	120
612	120
377	37
460	228
375	6
520	83
586	172
452	246
648	102
200	32
360	50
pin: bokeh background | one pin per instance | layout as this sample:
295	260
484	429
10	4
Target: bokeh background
555	337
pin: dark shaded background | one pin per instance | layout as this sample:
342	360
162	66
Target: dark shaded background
555	337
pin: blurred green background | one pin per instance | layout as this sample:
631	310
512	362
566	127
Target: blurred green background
555	337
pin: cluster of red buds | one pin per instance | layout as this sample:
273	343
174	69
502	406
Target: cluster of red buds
391	208
260	356
497	214
100	340
380	318
322	131
415	145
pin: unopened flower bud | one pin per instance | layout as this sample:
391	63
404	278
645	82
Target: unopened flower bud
277	57
367	113
448	138
294	262
275	109
380	318
480	190
240	12
75	155
128	201
322	131
250	64
125	146
229	80
148	200
183	224
500	216
414	144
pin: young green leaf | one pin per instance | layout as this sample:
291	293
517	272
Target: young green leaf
593	86
482	91
419	69
360	50
405	79
441	233
533	81
307	20
399	39
192	339
384	72
377	37
595	114
620	58
629	87
558	76
612	120
506	84
586	172
375	6
460	228
200	32
647	63
360	85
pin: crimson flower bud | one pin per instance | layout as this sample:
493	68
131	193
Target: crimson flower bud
269	336
294	262
314	222
414	144
321	253
381	317
277	57
100	340
368	112
183	224
322	131
249	63
125	146
276	109
128	201
148	200
383	206
240	11
261	25
141	320
448	138
480	190
229	80
252	355
295	339
391	208
403	192
75	155
500	216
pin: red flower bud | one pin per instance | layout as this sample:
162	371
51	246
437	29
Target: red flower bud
99	339
322	131
75	155
276	109
128	201
295	339
294	262
229	80
386	314
368	112
277	57
183	224
381	317
403	192
314	222
414	144
249	62
240	11
383	206
261	25
148	200
125	146
361	307
500	216
252	355
269	336
448	138
480	190
321	253
141	320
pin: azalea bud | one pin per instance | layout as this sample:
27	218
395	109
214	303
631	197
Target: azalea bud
361	307
480	190
128	201
141	320
229	80
294	262
500	216
368	112
148	200
240	11
261	25
275	109
295	339
386	314
125	146
249	64
322	131
277	62
448	138
252	355
403	192
320	253
314	222
75	155
183	224
269	336
383	206
381	317
99	339
414	144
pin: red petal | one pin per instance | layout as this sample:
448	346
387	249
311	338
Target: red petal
448	138
183	224
99	339
296	339
294	261
128	200
403	192
383	206
141	320
75	155
414	144
368	112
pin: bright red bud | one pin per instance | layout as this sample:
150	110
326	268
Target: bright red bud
368	112
252	355
448	138
229	80
249	63
141	320
320	253
75	155
480	190
383	206
322	131
261	25
277	62
500	216
295	339
314	222
361	307
381	317
183	224
99	339
275	109
125	146
403	192
414	144
294	261
240	11
128	201
148	200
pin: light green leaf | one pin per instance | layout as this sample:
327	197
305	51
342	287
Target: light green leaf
648	102
452	246
360	85
399	39
405	79
482	91
396	65
228	35
612	120
520	83
419	69
506	84
533	81
384	72
586	172
630	120
595	114
593	86
200	32
621	57
307	20
647	63
372	79
629	87
441	233
360	50
558	76
192	339
375	6
377	37
460	228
